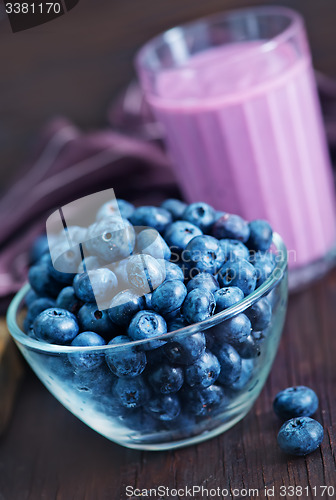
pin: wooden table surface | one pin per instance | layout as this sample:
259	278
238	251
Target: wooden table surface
74	66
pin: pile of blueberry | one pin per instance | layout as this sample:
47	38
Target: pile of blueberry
195	262
300	434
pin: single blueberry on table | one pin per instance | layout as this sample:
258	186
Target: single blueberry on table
179	233
260	314
205	401
99	285
124	306
300	436
57	326
125	361
185	349
227	297
144	273
264	264
116	207
238	273
166	379
175	207
204	371
87	360
231	226
299	401
110	239
164	407
203	253
154	217
198	305
234	250
230	364
91	319
169	296
200	214
261	235
67	299
132	392
145	325
203	280
173	271
150	242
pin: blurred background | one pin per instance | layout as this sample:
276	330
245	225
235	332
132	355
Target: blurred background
76	64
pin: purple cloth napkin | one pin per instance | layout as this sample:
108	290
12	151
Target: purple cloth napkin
68	164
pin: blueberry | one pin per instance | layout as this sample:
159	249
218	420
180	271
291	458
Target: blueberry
176	322
234	331
39	248
150	242
198	305
175	207
227	297
124	306
238	273
98	285
67	299
173	271
110	239
245	375
206	401
132	392
300	436
154	217
97	383
203	280
84	360
260	235
169	296
264	264
89	263
65	262
139	420
166	379
248	348
231	226
164	407
120	270
234	250
299	401
260	314
31	295
230	363
42	282
179	233
204	371
145	325
200	214
203	253
57	326
144	273
125	361
116	207
185	349
92	319
36	307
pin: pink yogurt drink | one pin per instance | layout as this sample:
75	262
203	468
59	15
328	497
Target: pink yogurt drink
237	99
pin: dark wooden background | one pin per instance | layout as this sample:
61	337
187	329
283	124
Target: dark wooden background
75	66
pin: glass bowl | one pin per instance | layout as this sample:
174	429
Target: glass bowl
191	415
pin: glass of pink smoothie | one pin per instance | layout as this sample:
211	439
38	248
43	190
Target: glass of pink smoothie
236	96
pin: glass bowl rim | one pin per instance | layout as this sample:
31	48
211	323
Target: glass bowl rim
45	347
296	23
